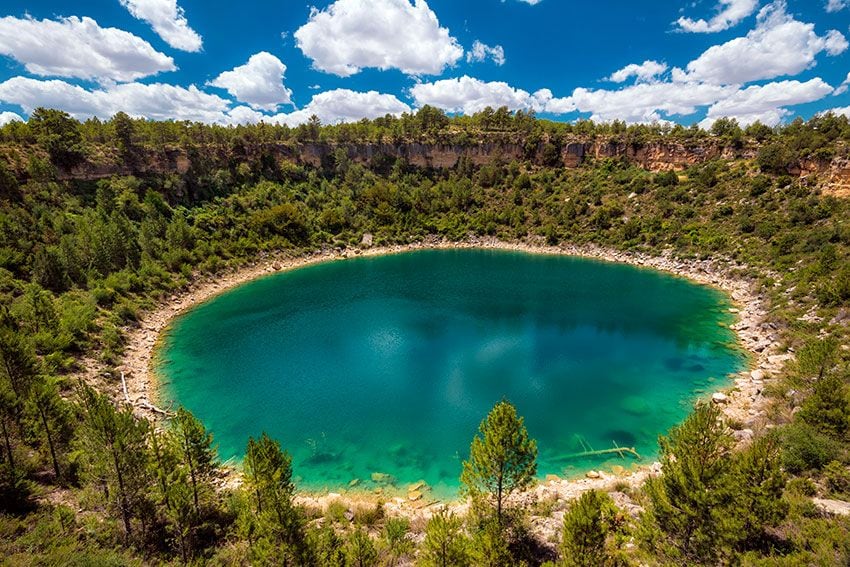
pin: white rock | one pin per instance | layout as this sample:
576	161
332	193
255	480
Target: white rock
833	507
757	374
719	398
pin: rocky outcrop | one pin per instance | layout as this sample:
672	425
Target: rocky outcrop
833	174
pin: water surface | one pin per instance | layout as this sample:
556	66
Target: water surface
388	364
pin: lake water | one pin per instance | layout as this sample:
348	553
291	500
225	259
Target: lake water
388	364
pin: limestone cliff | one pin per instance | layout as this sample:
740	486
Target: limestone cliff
658	155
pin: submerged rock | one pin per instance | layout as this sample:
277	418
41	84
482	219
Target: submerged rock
383	478
635	405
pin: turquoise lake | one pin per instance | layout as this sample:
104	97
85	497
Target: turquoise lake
389	363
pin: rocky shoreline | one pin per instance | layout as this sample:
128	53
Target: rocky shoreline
743	401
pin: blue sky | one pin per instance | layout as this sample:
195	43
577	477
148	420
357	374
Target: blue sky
215	61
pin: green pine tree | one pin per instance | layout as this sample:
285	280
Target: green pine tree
502	459
689	502
445	544
196	451
587	523
114	447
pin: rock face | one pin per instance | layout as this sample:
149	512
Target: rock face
659	155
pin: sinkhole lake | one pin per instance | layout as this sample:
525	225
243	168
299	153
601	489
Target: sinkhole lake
387	364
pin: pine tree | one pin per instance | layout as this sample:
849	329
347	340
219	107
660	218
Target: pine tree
445	545
49	411
360	550
268	475
758	485
196	451
502	460
690	501
585	528
114	444
395	539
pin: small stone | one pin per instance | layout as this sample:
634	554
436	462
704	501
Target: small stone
743	435
354	482
414	495
593	474
552	478
719	398
618	470
757	374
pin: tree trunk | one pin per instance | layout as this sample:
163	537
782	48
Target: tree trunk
194	481
49	441
499	504
122	497
8	443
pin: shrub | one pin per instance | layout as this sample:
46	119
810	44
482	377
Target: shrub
805	448
837	478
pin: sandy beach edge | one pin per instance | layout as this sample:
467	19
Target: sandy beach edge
742	401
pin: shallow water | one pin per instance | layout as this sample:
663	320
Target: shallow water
388	364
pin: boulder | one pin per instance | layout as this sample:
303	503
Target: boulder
833	507
382	478
719	398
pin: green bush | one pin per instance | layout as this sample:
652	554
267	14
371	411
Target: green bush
837	477
805	448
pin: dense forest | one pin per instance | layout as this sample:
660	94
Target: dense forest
86	481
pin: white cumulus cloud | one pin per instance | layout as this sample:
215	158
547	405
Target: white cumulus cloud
840	111
778	46
482	51
385	34
155	101
6	117
469	95
344	105
842	88
646	71
258	83
79	47
765	103
642	103
168	21
729	13
169	102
